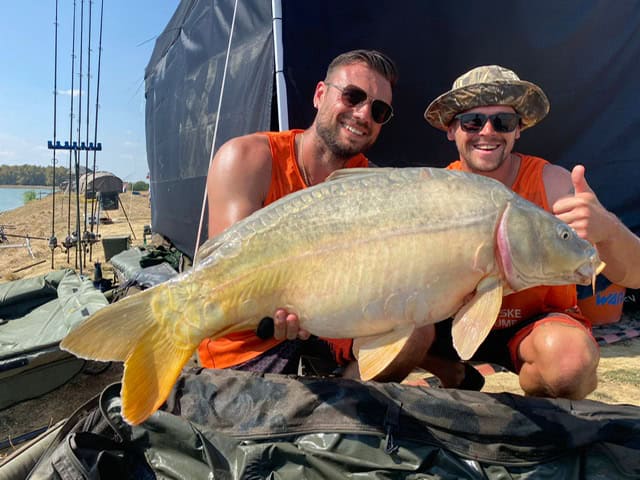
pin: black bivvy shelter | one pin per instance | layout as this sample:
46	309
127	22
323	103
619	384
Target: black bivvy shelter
583	53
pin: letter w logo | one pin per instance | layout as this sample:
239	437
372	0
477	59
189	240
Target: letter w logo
611	299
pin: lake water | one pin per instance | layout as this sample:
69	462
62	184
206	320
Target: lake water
11	198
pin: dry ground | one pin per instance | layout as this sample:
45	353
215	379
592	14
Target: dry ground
619	371
618	375
34	219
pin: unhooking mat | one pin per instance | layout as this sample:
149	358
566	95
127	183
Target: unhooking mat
35	314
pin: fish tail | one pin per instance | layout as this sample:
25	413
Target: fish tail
133	331
149	375
112	332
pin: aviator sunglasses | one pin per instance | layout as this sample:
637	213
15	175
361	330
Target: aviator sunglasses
352	96
502	122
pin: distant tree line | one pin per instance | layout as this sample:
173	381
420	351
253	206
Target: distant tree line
31	175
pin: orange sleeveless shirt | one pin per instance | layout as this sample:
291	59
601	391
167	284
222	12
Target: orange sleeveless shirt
286	178
537	300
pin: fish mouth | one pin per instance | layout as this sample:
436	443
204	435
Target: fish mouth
588	271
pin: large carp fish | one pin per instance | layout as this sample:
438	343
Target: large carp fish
370	253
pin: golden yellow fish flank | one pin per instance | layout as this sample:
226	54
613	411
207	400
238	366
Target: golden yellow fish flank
370	254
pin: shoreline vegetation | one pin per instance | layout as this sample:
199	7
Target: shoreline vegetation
30	187
34	176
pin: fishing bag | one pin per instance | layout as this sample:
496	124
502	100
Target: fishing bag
233	425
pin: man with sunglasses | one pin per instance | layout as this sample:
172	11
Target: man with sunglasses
353	102
539	334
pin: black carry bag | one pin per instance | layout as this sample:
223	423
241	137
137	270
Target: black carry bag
223	424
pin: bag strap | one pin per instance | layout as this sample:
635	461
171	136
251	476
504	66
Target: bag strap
85	414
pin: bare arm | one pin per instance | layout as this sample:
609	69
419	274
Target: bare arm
579	207
238	181
237	185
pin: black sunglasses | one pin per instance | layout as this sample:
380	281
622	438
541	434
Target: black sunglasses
352	96
502	122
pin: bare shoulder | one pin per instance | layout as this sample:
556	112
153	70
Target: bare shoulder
242	166
238	180
557	182
248	153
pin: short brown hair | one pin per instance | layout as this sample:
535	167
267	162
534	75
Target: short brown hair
376	60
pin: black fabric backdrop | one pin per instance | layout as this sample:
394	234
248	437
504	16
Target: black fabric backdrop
183	84
585	54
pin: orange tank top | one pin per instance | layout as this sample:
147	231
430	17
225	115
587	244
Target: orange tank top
537	300
286	178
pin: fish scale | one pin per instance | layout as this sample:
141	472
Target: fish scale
370	254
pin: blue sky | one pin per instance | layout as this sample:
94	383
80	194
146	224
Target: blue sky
27	35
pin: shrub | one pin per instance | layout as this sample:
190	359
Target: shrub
28	196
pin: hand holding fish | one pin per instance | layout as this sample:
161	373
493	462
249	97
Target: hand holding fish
287	325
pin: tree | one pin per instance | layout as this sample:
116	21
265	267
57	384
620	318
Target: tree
140	186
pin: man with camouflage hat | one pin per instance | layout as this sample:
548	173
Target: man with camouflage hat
540	333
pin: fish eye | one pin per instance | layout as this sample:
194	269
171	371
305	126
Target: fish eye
564	232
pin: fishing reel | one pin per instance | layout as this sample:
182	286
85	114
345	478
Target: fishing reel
70	241
89	238
53	242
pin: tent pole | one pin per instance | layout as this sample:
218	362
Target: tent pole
281	86
215	130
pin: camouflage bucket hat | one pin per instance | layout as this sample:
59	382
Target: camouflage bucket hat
489	85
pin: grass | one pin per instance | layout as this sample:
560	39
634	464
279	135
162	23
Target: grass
629	376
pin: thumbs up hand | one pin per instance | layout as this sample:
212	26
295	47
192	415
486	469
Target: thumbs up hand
580	184
583	211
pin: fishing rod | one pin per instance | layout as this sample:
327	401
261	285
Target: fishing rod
86	153
95	132
76	238
26	244
69	237
215	129
31	237
79	251
53	241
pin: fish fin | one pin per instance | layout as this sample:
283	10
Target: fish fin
475	319
376	352
207	248
112	332
350	172
150	373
